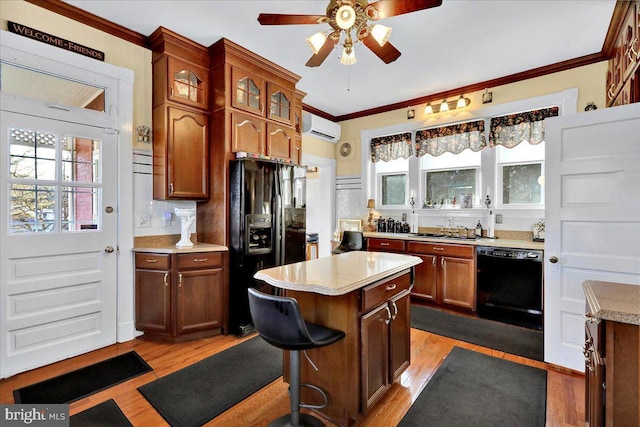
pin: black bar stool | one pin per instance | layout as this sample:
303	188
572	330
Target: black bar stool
351	241
279	322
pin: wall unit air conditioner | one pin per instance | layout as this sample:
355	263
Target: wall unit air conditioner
320	127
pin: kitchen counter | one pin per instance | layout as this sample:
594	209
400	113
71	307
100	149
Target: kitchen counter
337	274
502	243
613	301
171	249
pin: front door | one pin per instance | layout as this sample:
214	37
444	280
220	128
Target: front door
592	218
58	253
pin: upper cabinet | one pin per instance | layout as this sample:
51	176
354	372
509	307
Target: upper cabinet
281	103
180	117
248	91
623	72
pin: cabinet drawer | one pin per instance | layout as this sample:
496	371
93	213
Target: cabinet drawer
199	260
378	293
152	261
385	244
460	251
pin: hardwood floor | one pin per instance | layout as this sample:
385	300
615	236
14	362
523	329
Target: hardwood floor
565	390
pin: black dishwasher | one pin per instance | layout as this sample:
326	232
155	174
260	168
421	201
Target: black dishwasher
510	286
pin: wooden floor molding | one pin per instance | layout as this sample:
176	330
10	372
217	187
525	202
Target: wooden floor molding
565	390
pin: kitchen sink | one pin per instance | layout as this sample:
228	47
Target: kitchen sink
442	236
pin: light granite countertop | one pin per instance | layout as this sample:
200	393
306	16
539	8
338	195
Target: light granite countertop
617	302
337	274
171	249
501	243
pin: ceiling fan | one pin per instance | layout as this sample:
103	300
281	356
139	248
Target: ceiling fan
351	16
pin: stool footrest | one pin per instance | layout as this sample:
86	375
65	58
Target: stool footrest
322	393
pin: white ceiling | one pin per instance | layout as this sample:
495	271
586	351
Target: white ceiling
458	43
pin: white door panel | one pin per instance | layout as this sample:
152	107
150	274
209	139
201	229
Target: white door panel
592	215
58	284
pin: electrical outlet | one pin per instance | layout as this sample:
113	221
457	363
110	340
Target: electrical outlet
498	218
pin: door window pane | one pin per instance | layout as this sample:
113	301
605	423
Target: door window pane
79	208
32	154
394	189
80	159
521	184
32	208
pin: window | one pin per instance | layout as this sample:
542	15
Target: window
392	182
520	175
450	176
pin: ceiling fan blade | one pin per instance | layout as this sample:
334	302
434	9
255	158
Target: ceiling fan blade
388	53
317	59
387	8
280	19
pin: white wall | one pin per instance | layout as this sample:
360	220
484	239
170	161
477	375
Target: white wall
320	200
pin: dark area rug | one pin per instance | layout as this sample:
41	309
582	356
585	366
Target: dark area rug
80	383
106	414
487	333
474	389
200	392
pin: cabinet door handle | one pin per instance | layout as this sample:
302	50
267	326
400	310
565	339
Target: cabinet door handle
388	319
395	310
165	281
384	244
391	287
442	262
434	261
151	260
171	188
180	280
200	259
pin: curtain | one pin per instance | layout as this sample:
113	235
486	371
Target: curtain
512	129
391	147
451	139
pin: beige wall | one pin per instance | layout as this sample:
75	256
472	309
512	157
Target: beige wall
117	51
318	147
590	81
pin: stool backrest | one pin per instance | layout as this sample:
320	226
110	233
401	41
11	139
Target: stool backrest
353	239
278	320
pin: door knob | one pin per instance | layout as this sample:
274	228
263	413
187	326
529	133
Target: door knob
553	259
109	249
108	209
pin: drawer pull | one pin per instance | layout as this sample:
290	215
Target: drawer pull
200	259
435	248
384	244
151	260
391	287
166	276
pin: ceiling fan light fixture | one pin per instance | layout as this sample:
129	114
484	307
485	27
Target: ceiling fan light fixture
381	33
316	41
348	56
444	106
345	17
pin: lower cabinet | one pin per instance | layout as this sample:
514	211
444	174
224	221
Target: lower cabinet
181	296
446	274
357	370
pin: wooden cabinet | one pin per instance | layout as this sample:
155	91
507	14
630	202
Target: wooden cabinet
385	245
248	133
446	275
181	296
594	374
281	104
180	117
180	154
624	55
357	370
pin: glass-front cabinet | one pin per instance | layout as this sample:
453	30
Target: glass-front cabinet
187	83
280	104
248	91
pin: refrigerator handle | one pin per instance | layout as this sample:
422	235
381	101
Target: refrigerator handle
277	238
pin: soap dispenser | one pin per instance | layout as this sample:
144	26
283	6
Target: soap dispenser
479	229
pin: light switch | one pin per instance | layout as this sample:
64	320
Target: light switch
498	218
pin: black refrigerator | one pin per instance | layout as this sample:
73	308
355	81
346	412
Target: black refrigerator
267	228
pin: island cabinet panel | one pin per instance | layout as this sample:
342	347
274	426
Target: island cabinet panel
181	296
357	370
446	275
385	245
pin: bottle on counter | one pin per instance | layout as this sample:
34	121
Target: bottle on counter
479	229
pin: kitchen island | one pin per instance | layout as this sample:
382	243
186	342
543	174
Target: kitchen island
365	295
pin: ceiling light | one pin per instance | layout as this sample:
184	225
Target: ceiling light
444	106
348	56
345	17
381	33
316	42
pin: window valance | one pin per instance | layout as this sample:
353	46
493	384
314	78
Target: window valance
391	147
451	139
512	129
